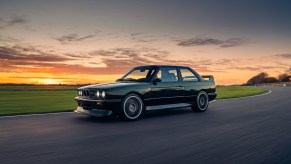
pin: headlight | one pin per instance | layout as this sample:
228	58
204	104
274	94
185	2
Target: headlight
80	93
97	93
103	94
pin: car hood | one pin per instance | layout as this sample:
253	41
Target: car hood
113	85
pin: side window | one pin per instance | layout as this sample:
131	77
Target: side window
168	74
187	75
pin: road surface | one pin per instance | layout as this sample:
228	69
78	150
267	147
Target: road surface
245	130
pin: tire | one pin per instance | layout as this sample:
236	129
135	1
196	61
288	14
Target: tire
131	107
202	102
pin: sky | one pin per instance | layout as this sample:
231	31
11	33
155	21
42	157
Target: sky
96	41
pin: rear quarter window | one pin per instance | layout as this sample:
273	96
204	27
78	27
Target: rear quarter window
188	75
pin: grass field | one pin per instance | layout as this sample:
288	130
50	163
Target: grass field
225	92
36	99
42	99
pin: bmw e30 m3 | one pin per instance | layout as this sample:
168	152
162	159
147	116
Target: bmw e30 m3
147	88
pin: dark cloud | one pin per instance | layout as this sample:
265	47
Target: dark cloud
126	58
78	55
117	52
5	39
244	68
123	57
135	34
74	37
201	41
286	56
28	54
18	20
116	60
156	56
255	68
131	52
144	38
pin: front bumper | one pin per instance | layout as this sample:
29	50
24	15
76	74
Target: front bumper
97	108
93	112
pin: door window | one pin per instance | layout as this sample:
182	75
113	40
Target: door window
168	74
188	75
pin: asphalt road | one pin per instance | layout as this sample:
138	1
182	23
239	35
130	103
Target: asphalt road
246	130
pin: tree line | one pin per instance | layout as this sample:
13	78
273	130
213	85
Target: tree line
263	77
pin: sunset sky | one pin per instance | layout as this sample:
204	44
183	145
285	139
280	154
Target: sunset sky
94	41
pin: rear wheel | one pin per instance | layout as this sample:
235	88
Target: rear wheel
131	107
201	103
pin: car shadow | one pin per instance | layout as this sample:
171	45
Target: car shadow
166	113
147	115
89	119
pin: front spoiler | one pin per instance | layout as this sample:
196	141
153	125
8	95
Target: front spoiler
93	112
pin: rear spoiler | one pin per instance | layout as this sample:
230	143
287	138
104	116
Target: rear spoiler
208	77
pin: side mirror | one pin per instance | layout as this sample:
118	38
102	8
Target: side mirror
157	80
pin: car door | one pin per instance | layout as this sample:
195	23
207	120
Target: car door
169	90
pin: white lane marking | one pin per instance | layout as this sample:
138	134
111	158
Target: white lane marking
269	91
212	101
29	115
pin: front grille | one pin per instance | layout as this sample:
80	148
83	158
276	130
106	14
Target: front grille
86	93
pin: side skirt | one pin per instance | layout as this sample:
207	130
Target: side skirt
168	106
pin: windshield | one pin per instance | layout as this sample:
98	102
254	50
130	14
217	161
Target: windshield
139	74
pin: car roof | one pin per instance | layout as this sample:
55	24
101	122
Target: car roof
164	66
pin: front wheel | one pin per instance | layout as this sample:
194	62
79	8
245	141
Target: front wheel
201	103
131	107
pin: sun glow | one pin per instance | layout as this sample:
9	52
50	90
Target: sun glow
50	81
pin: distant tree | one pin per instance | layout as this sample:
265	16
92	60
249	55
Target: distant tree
269	80
284	77
263	78
258	78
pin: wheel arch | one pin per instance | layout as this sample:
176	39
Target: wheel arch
133	92
205	90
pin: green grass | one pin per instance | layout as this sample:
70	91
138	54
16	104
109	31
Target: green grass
224	92
36	99
42	99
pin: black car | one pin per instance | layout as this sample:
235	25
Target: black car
147	88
